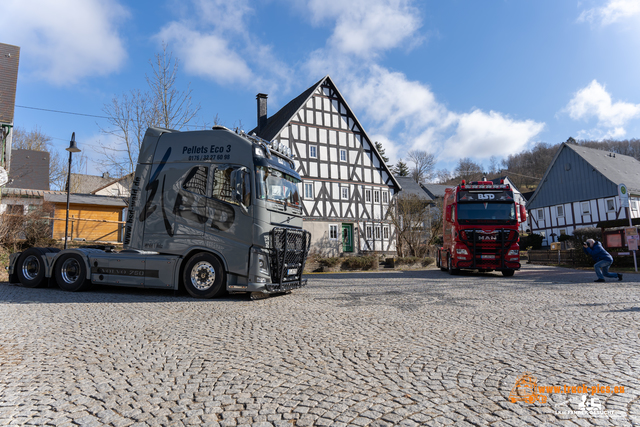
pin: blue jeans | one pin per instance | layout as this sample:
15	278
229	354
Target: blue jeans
604	265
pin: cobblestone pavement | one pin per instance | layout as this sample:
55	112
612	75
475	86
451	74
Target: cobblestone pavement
378	349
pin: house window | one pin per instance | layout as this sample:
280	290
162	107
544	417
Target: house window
634	205
343	155
115	192
611	205
308	190
313	152
385	232
367	196
563	231
560	211
540	214
333	231
376	196
385	197
345	193
369	232
586	208
377	232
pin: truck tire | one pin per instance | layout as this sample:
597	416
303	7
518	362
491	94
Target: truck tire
440	262
204	277
452	271
30	268
71	273
508	273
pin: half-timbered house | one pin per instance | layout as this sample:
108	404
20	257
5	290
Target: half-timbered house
580	189
346	186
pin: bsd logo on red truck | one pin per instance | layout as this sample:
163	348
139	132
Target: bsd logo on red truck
486	196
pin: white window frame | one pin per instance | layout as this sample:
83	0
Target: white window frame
582	208
344	193
333	228
367	196
376	196
560	211
313	151
369	231
385	232
540	214
385	197
378	234
307	186
343	155
613	205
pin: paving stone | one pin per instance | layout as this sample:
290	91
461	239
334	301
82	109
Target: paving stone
379	349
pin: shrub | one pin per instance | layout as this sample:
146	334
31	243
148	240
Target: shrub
329	261
360	263
582	234
427	261
407	260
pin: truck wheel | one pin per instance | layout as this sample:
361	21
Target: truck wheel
204	277
30	268
452	271
71	273
508	273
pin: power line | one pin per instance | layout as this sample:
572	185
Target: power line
519	174
62	112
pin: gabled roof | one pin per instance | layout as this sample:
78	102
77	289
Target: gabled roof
277	122
86	184
85	199
612	168
410	187
436	190
126	181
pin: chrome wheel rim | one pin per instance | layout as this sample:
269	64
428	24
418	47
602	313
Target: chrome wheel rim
203	275
31	267
70	270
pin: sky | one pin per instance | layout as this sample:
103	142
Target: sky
457	78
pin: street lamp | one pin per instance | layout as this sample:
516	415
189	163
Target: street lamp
73	148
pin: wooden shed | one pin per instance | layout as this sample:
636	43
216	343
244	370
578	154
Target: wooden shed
91	217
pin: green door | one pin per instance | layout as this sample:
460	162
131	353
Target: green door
347	237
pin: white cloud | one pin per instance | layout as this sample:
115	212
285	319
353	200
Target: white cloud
206	55
367	27
213	41
613	11
483	135
594	101
65	41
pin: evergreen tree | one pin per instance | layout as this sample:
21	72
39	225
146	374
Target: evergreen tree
401	168
381	151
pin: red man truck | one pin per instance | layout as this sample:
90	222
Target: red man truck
480	228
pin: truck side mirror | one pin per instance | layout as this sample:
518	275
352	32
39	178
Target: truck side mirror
523	213
447	215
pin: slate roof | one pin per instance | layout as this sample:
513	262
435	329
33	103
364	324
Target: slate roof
126	181
29	169
617	168
9	60
410	187
279	120
436	190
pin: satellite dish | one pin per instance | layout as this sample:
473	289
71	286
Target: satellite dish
4	178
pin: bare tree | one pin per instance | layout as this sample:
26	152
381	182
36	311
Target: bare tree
132	113
172	108
37	140
468	170
423	165
409	216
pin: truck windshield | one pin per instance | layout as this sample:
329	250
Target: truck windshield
499	212
277	186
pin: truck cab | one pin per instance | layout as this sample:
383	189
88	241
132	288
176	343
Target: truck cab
211	210
480	228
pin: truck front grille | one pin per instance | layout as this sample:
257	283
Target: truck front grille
289	250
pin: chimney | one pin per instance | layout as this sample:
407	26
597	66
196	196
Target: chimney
262	111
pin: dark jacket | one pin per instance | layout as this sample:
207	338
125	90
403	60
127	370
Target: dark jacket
597	252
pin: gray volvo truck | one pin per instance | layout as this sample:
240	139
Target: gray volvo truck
211	210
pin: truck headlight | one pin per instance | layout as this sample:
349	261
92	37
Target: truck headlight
513	252
263	264
462	252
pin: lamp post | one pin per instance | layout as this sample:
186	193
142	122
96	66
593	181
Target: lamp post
73	148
